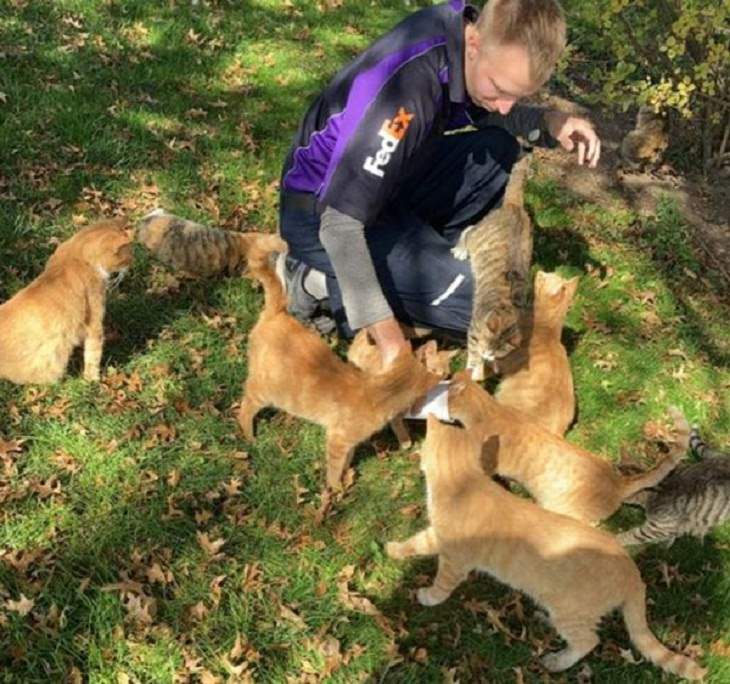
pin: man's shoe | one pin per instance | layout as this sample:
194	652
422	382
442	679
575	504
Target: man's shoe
302	305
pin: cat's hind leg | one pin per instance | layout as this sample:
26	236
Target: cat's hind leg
423	543
449	576
401	432
581	639
339	454
250	406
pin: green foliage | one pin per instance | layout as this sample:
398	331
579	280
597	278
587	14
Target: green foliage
668	54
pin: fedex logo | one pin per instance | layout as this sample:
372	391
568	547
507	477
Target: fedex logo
391	133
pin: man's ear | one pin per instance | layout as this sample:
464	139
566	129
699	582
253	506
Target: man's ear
472	41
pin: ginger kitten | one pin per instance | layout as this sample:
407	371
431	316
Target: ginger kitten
560	476
63	307
364	354
292	368
537	377
576	572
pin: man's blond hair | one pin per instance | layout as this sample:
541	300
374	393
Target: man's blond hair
536	25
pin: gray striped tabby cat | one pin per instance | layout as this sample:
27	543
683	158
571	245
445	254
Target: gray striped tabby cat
499	248
197	249
691	500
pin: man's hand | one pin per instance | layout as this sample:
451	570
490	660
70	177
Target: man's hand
389	338
571	131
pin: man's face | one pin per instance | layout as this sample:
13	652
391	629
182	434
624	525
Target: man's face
498	75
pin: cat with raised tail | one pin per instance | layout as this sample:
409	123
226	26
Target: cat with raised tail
577	573
291	368
198	250
536	379
64	306
499	249
693	500
560	476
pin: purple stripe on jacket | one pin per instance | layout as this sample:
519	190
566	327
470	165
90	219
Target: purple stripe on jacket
309	164
365	89
313	166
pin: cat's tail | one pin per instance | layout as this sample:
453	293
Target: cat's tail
632	484
697	445
634	610
514	193
261	254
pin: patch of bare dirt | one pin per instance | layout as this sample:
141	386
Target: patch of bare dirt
705	204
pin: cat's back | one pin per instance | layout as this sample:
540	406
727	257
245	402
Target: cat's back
689	481
299	362
489	240
55	291
533	549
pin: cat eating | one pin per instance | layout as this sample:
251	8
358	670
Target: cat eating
364	354
576	572
290	367
499	249
560	476
64	307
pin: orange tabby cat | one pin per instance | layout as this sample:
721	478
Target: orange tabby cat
537	377
560	476
364	354
292	368
576	572
63	307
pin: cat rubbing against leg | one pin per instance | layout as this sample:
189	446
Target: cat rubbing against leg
64	307
577	573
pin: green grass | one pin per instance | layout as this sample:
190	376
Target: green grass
123	106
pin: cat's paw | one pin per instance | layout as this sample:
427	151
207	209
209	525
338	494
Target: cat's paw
395	550
427	597
460	252
553	662
477	372
92	374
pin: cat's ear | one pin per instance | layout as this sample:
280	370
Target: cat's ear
459	382
427	350
450	354
119	222
432	423
515	339
572	286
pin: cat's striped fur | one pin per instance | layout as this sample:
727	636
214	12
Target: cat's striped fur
499	248
691	501
197	249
